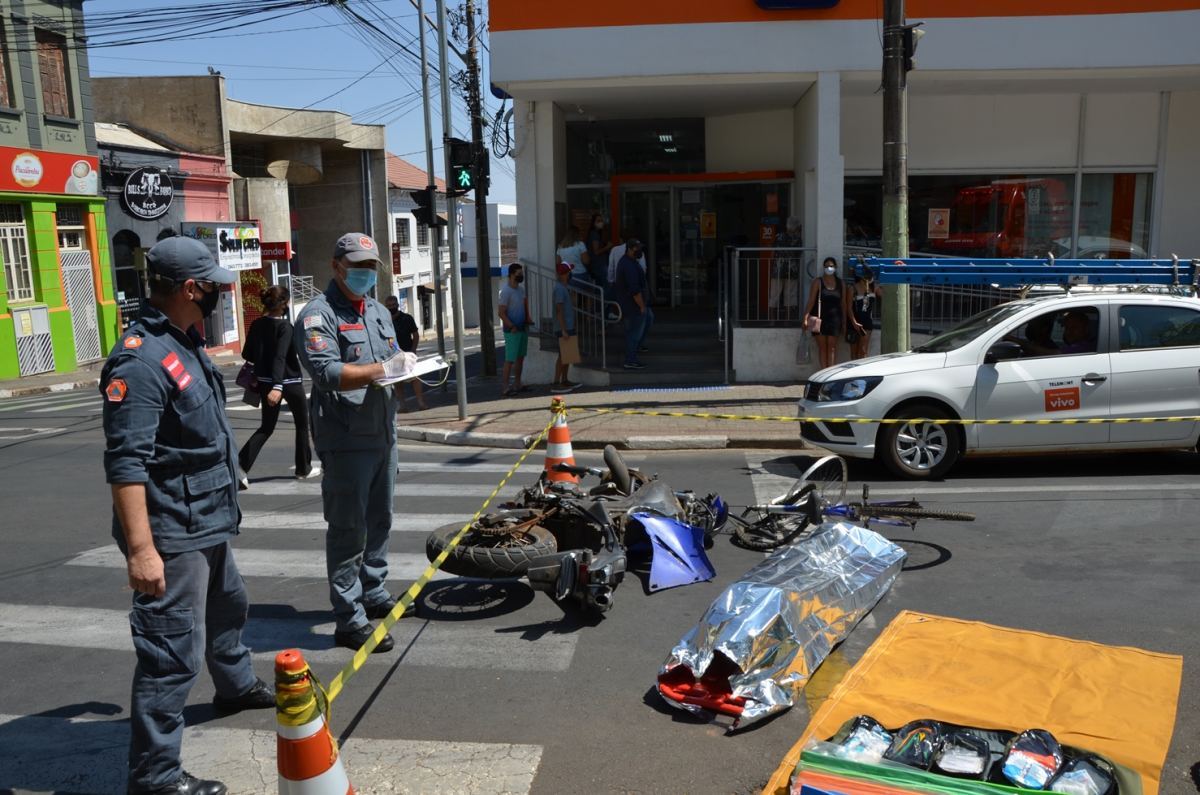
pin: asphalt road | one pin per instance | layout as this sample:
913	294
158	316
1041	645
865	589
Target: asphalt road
492	688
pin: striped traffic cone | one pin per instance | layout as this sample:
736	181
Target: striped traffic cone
558	445
309	763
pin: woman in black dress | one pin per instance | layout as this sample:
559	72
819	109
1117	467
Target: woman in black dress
863	296
277	368
827	301
598	248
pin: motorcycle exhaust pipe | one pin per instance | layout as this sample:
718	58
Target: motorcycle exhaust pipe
602	598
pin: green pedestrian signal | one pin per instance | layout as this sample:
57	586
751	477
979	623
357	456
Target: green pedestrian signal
463	178
461	160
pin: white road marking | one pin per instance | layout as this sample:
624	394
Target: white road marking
271	562
984	490
445	644
401	522
245	759
770	484
96	404
308	488
19	434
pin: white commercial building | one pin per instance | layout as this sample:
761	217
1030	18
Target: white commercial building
411	246
1059	125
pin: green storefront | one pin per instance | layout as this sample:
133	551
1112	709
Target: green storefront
56	294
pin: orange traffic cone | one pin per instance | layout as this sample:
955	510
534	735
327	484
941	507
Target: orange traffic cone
558	445
309	763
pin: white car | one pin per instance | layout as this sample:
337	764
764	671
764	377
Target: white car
1078	357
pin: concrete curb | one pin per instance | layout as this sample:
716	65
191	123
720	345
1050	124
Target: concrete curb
512	441
28	391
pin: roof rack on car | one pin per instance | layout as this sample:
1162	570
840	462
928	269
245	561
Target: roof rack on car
1067	273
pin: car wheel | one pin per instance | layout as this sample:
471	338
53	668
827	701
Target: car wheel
917	446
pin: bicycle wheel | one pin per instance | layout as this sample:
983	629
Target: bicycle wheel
911	512
770	532
828	477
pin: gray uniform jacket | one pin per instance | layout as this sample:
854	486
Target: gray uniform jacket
165	426
330	333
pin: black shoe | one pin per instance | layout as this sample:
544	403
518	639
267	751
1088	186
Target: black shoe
260	696
355	638
382	610
189	785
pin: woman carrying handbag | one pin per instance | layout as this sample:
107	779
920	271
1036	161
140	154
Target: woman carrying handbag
277	368
825	316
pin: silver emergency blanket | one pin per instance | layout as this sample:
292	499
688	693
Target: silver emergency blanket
783	617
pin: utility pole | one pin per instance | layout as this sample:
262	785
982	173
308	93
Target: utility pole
487	326
895	174
434	245
460	364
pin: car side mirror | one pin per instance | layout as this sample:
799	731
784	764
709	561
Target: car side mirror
1002	351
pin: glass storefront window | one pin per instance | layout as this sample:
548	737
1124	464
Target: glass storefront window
599	149
1010	215
1114	216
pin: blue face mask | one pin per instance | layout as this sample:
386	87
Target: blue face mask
360	280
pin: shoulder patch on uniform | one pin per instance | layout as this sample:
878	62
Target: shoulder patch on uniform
313	320
133	342
116	390
316	343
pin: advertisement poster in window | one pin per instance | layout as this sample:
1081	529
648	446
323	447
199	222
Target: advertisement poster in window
48	172
708	226
237	247
939	223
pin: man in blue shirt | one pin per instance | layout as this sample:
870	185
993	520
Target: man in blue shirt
170	459
631	292
514	318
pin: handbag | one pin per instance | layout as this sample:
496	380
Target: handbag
852	335
812	323
246	378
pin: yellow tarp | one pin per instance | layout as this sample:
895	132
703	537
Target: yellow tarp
1118	702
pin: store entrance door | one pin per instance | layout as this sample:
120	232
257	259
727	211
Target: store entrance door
646	214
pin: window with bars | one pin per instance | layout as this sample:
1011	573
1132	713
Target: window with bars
6	93
52	66
422	236
403	235
14	249
71	235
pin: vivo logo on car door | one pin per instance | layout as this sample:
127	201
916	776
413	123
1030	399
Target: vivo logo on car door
794	5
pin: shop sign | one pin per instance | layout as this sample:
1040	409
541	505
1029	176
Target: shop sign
234	246
38	171
279	252
148	193
708	226
396	269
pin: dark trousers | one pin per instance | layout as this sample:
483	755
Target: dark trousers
357	492
297	403
635	332
199	618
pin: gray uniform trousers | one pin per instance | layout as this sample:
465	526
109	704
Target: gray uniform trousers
357	492
199	617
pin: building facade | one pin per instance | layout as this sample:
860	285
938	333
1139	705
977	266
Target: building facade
1058	126
411	245
56	300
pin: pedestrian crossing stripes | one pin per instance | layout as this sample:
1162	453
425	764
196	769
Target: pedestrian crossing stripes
271	562
401	522
442	644
244	759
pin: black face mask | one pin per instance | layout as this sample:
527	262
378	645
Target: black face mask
519	278
208	302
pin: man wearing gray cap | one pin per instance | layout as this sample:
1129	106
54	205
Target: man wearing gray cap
347	343
170	460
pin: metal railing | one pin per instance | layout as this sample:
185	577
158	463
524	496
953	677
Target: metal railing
590	312
302	289
766	287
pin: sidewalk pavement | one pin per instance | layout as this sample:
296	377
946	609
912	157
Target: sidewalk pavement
514	422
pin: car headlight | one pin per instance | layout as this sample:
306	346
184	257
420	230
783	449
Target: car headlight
847	389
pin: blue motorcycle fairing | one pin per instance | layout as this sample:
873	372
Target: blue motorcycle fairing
676	552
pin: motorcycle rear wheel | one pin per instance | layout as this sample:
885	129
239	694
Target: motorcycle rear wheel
490	555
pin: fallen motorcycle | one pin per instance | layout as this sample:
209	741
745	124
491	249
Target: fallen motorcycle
576	544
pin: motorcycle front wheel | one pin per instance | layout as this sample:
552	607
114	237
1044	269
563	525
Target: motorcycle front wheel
492	551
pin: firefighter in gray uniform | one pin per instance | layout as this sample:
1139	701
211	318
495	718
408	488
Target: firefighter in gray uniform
170	459
347	342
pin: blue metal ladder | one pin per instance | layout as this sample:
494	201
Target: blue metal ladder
1181	274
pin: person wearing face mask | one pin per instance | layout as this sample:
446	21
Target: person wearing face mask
347	343
513	310
171	462
827	303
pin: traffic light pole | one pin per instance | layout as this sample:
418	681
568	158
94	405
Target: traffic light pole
434	245
487	324
895	174
460	364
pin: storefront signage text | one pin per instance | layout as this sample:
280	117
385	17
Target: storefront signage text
39	171
148	193
234	246
279	252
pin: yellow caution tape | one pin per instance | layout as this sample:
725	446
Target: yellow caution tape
410	596
891	420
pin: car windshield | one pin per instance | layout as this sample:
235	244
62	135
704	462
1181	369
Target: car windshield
970	329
